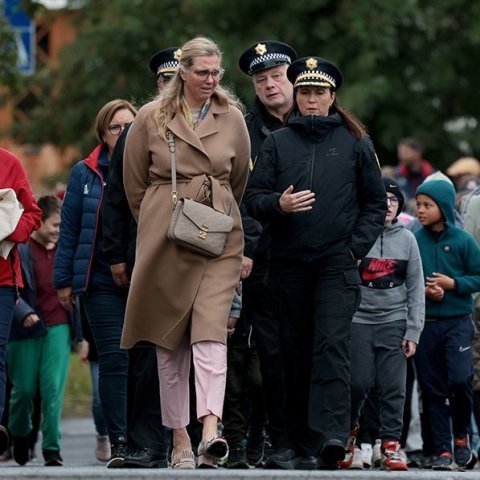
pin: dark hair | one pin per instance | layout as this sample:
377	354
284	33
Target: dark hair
352	123
49	204
413	143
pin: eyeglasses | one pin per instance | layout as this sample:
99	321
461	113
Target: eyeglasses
393	200
116	129
204	74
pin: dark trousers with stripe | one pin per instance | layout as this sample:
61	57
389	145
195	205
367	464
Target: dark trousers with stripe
445	371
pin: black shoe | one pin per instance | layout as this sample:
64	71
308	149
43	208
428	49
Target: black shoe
444	462
145	458
306	463
4	439
119	451
20	450
462	452
322	465
52	458
427	462
283	458
471	464
332	451
255	450
237	458
415	459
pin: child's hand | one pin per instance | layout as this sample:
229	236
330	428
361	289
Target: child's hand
441	280
31	320
434	293
66	298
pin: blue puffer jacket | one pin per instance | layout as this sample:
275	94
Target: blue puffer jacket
79	224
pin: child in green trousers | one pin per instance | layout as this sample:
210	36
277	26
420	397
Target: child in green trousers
38	352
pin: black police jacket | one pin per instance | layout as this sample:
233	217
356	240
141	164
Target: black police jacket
318	154
259	124
119	229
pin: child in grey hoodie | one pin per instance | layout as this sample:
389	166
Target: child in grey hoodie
387	326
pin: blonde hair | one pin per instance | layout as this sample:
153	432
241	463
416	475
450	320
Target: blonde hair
107	112
169	98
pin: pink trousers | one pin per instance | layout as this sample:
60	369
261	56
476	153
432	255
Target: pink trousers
210	365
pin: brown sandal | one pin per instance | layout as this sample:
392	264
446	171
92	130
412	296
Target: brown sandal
216	447
183	460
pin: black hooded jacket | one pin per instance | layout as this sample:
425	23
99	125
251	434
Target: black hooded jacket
318	154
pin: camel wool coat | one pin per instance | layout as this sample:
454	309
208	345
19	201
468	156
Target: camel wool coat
175	291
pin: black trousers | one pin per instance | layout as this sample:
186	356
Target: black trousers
144	418
445	371
315	302
257	308
244	407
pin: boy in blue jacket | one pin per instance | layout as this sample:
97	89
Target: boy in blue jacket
451	265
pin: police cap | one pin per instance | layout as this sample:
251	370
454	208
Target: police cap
165	62
266	54
314	72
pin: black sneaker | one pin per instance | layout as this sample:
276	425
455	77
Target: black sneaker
256	450
119	451
283	459
145	458
462	452
52	458
443	462
20	450
237	458
306	463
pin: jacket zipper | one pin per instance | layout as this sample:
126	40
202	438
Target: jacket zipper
96	224
436	270
310	187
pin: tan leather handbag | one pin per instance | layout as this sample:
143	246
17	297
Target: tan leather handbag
194	225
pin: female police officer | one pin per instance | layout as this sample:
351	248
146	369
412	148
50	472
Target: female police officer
317	183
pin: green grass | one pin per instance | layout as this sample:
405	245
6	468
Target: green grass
78	392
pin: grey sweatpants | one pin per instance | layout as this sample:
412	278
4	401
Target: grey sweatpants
377	359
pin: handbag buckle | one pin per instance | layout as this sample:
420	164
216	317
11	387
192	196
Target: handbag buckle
202	233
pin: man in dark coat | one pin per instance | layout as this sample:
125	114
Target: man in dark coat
266	62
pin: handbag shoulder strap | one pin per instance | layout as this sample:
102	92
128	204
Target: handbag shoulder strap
171	147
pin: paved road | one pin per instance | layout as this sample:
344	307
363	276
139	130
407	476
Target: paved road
80	463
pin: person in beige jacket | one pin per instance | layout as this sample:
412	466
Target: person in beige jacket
179	298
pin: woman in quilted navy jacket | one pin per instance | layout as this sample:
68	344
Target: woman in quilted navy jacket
81	268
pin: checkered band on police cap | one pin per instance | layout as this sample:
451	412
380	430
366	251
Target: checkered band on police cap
165	62
266	54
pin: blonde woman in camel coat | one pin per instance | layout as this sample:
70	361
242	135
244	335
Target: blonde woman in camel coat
180	300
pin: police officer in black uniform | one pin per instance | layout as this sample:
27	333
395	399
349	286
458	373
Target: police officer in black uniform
147	437
317	183
266	62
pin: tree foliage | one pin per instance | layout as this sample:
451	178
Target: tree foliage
9	75
409	65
